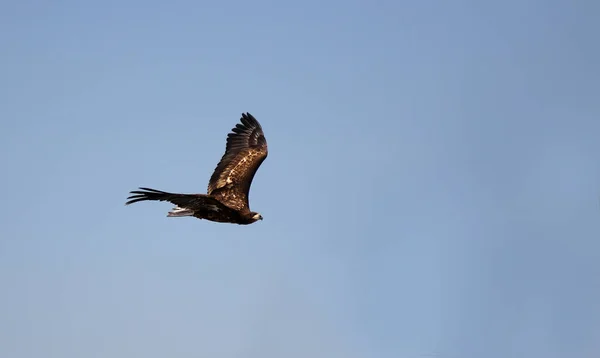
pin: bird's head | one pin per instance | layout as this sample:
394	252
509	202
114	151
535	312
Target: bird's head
256	216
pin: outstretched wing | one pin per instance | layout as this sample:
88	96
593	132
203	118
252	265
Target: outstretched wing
187	201
245	151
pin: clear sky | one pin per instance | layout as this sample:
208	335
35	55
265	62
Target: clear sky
432	187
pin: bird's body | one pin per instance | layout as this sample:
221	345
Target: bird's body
226	200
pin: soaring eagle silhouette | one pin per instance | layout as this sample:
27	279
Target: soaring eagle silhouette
226	200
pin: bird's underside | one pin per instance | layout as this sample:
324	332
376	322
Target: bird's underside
200	206
227	198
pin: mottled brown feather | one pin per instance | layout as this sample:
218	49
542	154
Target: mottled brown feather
245	150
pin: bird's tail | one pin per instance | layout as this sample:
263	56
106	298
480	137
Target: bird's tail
157	195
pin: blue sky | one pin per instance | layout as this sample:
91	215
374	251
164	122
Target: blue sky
432	187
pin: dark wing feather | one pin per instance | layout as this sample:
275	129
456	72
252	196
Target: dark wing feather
188	201
245	151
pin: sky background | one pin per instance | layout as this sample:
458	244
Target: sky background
432	187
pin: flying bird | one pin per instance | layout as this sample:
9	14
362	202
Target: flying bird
226	200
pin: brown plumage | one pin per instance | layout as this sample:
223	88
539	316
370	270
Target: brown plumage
227	197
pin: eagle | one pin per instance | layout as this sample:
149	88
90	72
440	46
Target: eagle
226	200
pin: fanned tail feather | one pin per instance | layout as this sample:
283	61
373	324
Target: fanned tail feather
148	194
158	195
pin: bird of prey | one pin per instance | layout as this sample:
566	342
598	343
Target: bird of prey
226	200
